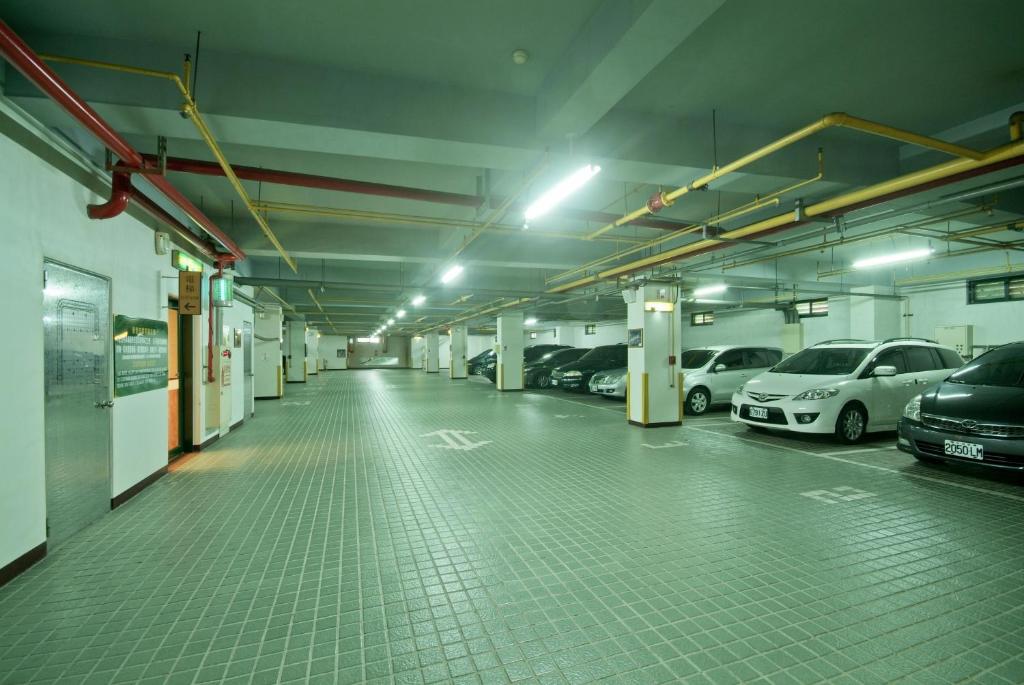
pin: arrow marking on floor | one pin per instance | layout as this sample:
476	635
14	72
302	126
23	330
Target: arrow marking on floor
295	404
456	439
667	444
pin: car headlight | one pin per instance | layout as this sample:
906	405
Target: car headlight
817	394
913	409
572	374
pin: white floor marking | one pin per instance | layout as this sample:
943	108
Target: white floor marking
843	493
674	443
962	486
568	416
455	439
295	404
620	412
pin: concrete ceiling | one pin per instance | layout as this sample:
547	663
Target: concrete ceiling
426	95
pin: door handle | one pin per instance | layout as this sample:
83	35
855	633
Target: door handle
106	404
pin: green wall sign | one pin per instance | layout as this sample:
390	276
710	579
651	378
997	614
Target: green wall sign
140	355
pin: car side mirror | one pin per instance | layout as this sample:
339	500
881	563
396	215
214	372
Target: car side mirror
719	368
884	371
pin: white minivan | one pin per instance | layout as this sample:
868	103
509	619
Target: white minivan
712	374
845	387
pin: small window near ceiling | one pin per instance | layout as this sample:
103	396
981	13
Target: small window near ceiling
590	329
702	318
533	335
816	307
995	290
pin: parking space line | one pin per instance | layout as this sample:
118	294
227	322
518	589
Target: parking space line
582	404
858	451
962	486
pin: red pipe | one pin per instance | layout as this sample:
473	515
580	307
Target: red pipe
345	185
120	191
21	56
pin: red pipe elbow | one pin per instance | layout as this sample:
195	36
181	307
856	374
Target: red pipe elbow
120	191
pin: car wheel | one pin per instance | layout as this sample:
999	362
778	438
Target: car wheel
852	424
698	401
543	381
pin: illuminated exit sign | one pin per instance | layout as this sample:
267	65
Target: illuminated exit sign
185	262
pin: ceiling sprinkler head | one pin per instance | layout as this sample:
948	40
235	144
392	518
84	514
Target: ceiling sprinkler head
520	56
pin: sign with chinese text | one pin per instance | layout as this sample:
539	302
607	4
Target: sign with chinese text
140	355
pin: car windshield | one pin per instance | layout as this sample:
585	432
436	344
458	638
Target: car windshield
694	359
1002	367
534	353
605	353
562	356
824	361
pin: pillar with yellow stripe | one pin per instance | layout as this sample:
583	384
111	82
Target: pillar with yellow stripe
457	352
655	387
510	352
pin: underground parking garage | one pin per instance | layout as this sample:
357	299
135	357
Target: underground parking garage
589	341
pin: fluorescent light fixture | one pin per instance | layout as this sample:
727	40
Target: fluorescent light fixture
531	321
451	274
659	306
400	313
561	190
391	322
710	290
418	300
893	258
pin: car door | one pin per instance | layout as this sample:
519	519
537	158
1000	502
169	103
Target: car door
925	366
724	382
887	395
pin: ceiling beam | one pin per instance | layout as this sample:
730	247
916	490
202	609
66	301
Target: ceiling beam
617	48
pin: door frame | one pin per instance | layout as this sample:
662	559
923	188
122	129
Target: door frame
184	402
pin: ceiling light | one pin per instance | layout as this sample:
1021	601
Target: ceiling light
418	300
531	321
893	258
400	313
710	290
560	191
655	306
391	322
451	274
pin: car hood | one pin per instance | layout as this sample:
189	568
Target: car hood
790	384
983	403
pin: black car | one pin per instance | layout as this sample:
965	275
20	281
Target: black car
976	415
475	366
489	370
576	375
537	374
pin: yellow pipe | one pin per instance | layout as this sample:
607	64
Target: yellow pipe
905	182
836	119
277	297
189	110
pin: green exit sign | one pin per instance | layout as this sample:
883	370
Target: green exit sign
185	262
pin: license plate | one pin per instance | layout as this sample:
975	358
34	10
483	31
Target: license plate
759	413
968	450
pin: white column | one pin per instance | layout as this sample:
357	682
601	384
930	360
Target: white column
312	351
874	318
655	393
432	363
295	352
510	352
457	349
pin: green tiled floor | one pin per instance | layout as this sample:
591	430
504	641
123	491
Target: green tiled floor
336	542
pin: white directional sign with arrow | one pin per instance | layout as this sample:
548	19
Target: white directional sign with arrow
456	439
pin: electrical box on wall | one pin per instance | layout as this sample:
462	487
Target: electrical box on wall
960	338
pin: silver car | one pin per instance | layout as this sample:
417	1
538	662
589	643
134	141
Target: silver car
712	374
611	383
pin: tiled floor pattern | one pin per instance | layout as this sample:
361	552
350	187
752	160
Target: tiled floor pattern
337	542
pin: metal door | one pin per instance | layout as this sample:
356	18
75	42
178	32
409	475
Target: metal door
247	401
76	327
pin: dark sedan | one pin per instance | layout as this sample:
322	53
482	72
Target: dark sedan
576	375
537	374
476	365
531	354
976	415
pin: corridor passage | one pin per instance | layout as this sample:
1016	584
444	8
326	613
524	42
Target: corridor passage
395	527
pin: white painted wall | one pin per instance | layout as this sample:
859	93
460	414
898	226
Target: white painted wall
444	344
605	334
329	346
751	327
42	211
477	344
994	323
